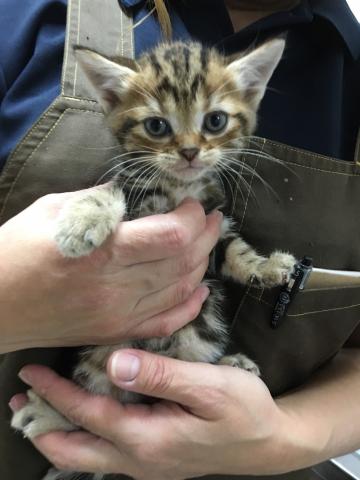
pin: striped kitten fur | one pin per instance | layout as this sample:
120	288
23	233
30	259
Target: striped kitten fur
180	113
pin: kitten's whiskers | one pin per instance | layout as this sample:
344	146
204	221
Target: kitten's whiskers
130	163
145	170
147	185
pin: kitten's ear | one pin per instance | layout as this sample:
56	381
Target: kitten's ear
253	70
110	79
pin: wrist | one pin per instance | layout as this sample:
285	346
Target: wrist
302	440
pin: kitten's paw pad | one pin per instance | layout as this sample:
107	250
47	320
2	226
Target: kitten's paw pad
38	417
86	223
276	270
240	361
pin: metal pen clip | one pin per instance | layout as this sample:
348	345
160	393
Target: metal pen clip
298	279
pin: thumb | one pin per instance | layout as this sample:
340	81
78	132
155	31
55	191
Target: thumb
200	387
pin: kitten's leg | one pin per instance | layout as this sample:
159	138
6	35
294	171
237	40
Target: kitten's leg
240	360
38	417
244	265
86	222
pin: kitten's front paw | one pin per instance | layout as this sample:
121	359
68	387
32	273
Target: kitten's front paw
275	271
240	361
86	223
38	417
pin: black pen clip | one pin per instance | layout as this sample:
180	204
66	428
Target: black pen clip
288	292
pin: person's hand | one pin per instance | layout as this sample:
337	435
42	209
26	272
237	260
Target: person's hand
144	281
214	420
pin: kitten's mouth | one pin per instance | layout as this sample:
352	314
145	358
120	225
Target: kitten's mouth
189	171
190	167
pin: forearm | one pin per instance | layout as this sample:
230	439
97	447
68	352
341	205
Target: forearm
322	417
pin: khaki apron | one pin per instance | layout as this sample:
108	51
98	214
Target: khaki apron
315	212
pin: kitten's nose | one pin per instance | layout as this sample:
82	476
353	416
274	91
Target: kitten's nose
189	153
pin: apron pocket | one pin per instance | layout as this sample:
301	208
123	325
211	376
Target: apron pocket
318	323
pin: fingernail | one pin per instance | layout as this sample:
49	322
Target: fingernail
219	214
17	402
187	200
124	367
25	376
216	213
204	293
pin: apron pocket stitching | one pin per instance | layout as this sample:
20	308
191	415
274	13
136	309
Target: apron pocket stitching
333	309
28	134
238	310
306	152
323	171
49	133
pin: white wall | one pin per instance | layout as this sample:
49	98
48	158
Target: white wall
355	7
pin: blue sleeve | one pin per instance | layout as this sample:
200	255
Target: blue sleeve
32	35
2	84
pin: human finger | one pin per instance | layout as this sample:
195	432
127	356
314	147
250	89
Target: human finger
169	297
95	413
198	386
159	236
168	322
161	273
79	451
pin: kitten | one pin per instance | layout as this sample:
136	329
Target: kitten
179	112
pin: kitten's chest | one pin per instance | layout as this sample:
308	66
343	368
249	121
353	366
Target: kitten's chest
167	197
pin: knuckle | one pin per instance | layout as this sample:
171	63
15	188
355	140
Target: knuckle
76	414
213	395
176	235
187	263
46	391
166	328
128	247
157	378
193	310
183	291
204	266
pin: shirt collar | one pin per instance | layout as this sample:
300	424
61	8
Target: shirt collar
339	14
130	3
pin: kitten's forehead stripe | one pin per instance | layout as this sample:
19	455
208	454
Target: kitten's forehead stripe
198	80
155	63
127	125
204	58
168	87
186	52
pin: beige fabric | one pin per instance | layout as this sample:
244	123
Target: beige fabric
101	26
65	148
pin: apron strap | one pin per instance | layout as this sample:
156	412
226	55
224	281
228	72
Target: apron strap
98	25
357	150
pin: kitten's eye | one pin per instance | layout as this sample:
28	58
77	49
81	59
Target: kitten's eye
215	122
157	126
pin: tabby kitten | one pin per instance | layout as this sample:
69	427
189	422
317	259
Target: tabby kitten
177	111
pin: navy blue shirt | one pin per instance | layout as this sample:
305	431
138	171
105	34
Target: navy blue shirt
314	97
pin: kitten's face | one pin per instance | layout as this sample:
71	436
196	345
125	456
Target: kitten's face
182	106
187	110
